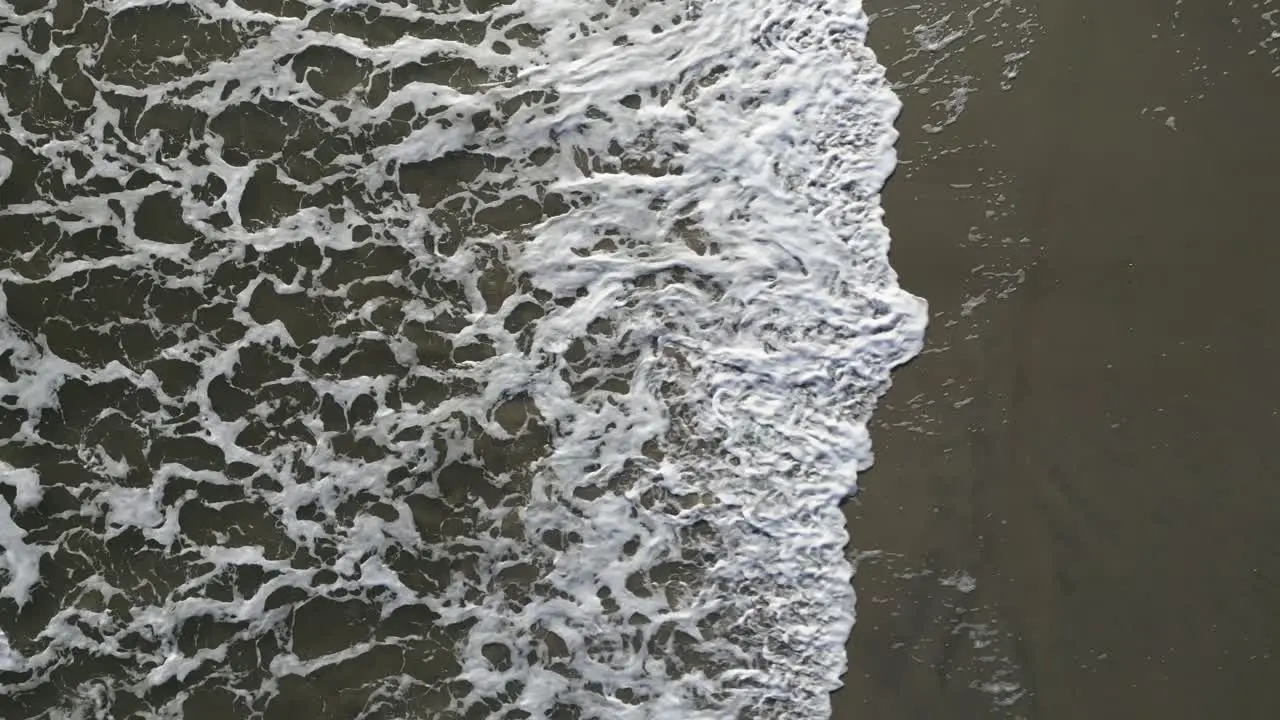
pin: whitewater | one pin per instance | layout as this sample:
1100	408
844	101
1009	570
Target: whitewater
437	360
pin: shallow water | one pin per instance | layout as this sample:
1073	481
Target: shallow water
442	360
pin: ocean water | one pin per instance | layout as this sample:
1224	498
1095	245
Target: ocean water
451	359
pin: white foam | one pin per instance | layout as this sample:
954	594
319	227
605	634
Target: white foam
20	561
720	261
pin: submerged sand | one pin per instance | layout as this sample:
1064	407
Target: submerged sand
1075	510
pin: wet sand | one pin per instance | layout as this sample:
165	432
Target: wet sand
1093	451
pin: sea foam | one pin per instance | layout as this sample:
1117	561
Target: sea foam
439	360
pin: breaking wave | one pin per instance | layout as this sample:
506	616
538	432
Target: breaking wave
441	360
